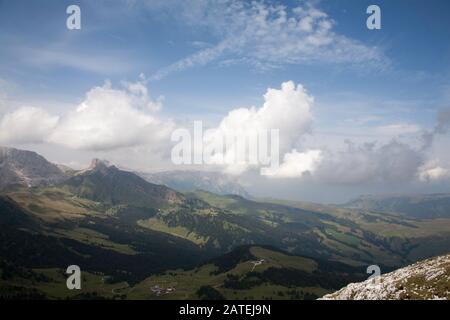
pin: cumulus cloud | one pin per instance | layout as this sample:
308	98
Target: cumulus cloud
107	119
112	118
393	163
290	110
27	125
296	164
436	145
431	172
265	35
287	110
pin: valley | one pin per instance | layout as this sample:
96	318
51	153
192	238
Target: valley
138	240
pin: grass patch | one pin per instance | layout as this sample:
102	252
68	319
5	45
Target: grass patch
181	232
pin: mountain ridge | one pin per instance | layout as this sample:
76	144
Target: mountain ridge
22	168
103	182
434	205
117	224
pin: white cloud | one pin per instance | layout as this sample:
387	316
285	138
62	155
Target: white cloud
27	125
107	119
110	118
391	163
114	118
436	144
140	92
433	173
287	109
266	36
295	164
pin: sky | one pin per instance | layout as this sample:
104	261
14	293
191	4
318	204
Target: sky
359	111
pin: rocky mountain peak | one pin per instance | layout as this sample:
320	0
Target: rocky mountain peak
97	164
20	168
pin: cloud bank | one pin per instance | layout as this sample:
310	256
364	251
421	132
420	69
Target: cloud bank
392	163
27	125
107	119
110	119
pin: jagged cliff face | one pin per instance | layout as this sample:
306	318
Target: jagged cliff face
429	279
26	169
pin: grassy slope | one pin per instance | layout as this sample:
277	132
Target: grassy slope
349	236
63	229
53	204
421	238
53	285
186	283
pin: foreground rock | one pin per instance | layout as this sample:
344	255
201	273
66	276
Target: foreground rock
429	279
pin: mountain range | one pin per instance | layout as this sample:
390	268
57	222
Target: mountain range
415	206
129	235
212	181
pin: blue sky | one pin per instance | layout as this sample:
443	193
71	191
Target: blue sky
130	39
368	85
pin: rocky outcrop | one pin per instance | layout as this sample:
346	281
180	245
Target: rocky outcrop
19	168
429	279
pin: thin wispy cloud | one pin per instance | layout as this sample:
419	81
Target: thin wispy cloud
269	36
101	63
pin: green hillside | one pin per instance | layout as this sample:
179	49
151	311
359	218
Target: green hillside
249	272
124	230
111	186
